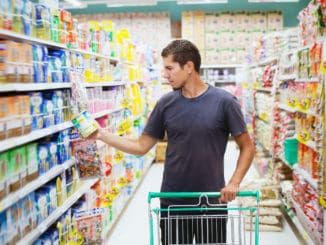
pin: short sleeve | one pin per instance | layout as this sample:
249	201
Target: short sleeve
234	117
155	123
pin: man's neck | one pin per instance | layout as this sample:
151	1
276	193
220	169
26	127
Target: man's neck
194	89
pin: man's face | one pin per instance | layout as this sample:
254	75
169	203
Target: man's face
175	75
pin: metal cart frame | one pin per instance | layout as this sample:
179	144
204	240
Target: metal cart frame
239	224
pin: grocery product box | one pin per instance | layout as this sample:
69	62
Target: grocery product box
224	39
4	177
231	20
261	21
246	22
4	114
224	21
24	112
17	168
9	56
32	162
258	21
161	151
240	21
275	21
14	123
213	56
241	56
210	40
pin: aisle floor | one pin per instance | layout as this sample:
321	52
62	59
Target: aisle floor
133	225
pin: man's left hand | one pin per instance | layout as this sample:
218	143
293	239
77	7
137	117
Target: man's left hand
229	193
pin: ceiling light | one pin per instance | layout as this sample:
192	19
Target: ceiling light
119	3
200	2
272	1
74	3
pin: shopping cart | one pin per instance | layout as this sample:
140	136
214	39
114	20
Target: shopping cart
202	222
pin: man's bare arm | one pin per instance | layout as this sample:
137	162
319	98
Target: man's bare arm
247	151
139	146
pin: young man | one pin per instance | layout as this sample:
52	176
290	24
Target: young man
198	119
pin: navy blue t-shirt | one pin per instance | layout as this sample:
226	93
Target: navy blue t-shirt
197	132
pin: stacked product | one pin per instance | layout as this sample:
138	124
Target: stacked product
231	32
298	120
285	128
270	214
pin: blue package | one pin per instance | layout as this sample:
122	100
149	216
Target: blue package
29	205
48	115
64	149
55	69
3	228
57	99
53	155
64	57
38	74
41	205
27	15
69	181
42	158
36	103
53	233
51	191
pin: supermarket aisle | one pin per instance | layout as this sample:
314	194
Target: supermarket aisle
133	227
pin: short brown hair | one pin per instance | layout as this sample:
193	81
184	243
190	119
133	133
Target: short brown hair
183	51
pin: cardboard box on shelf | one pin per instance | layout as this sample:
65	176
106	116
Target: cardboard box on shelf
224	21
258	21
160	151
187	16
210	40
246	21
240	21
275	21
261	21
210	22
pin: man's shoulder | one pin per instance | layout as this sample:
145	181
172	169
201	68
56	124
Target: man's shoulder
221	93
169	95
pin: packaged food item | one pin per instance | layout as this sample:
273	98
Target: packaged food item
17	168
4	177
42	21
85	124
36	102
32	164
28	213
43	159
4	114
89	164
3	228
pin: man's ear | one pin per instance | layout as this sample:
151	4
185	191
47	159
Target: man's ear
190	67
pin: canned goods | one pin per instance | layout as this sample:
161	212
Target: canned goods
85	124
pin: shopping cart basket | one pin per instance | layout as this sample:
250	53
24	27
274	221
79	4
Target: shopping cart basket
202	222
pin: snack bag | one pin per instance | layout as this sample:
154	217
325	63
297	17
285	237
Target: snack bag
89	164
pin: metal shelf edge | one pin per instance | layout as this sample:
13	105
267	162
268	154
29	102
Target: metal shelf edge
34	135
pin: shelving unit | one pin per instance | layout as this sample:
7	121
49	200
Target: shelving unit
289	214
219	75
41	228
12	143
279	109
26	87
104	84
110	228
6	34
32	186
